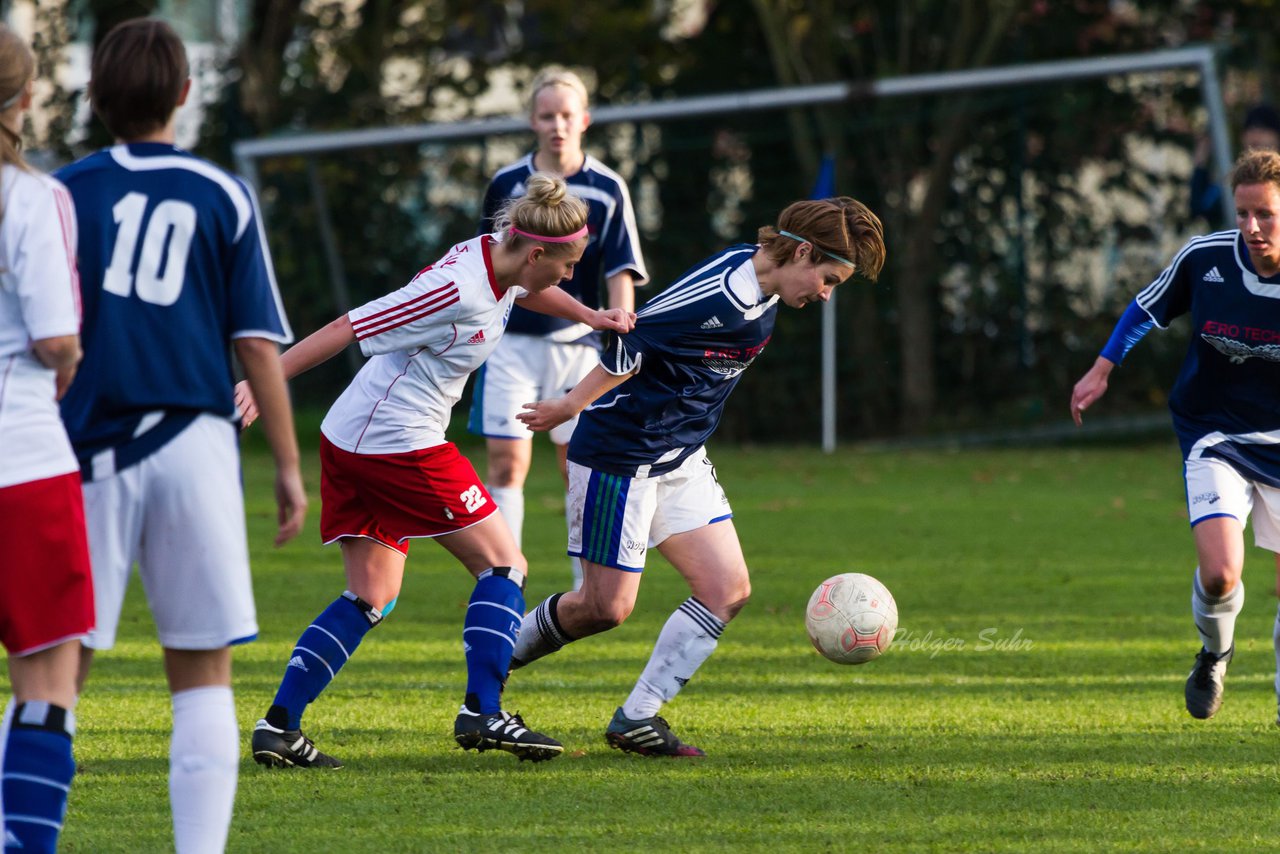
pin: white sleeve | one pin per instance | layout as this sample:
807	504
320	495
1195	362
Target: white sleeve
421	314
40	227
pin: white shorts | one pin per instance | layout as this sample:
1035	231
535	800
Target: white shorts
1216	488
525	369
614	519
179	514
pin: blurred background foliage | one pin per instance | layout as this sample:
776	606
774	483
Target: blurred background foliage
1019	221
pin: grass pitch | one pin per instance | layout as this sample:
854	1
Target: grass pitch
1033	702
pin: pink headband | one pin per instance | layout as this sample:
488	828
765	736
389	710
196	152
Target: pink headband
568	238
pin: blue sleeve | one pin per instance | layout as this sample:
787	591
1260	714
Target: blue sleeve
1206	196
256	310
1133	324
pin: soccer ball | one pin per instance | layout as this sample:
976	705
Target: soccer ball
851	618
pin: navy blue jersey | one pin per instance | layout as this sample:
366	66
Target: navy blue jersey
1226	401
612	247
173	266
690	345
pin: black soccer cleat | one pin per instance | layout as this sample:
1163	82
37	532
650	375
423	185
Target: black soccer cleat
1204	685
287	748
648	737
502	731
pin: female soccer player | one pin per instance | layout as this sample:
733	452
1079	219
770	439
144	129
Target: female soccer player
389	475
1225	408
542	355
176	277
639	477
46	593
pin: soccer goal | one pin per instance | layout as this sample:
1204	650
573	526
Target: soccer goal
700	177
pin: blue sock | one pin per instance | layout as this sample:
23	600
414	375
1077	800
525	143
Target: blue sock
319	654
37	774
489	635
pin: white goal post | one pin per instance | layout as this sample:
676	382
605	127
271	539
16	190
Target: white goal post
1198	58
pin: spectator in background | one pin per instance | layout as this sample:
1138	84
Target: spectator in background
1261	132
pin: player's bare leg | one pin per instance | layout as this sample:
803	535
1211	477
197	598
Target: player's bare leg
1216	598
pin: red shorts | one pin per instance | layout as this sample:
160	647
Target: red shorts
46	587
392	498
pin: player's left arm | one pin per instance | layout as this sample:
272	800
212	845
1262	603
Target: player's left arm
557	303
262	365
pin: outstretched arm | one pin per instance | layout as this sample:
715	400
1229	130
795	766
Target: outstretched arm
1132	326
557	303
1091	387
262	367
318	347
546	414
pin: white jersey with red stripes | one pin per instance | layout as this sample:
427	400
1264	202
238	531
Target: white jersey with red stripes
39	298
423	341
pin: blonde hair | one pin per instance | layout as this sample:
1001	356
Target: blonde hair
547	208
841	227
17	67
557	75
1256	167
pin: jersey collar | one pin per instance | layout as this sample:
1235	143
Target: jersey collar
486	241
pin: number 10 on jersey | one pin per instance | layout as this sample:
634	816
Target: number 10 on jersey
166	243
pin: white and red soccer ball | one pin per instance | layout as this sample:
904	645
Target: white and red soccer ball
851	618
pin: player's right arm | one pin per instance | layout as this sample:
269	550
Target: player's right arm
318	347
266	377
62	355
546	414
1132	326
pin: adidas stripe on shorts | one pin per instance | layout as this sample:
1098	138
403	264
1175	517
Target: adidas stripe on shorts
615	519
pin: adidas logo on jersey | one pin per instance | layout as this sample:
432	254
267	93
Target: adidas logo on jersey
712	322
1213	276
297	661
478	338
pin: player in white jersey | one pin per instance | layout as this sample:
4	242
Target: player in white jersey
46	592
390	476
1225	405
541	356
175	278
639	476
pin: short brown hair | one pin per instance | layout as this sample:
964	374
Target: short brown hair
1256	167
138	73
842	226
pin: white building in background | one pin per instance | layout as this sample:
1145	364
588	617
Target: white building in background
210	29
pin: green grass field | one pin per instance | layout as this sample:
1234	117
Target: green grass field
1036	703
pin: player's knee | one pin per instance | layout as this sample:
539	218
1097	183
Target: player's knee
1220	580
609	615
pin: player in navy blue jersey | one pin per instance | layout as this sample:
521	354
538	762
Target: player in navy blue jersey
175	276
1225	404
639	476
541	356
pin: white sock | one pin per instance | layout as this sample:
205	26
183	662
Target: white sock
510	501
1216	616
204	762
540	634
687	640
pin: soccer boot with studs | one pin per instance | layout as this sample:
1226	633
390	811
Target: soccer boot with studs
287	748
503	731
1204	685
648	737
